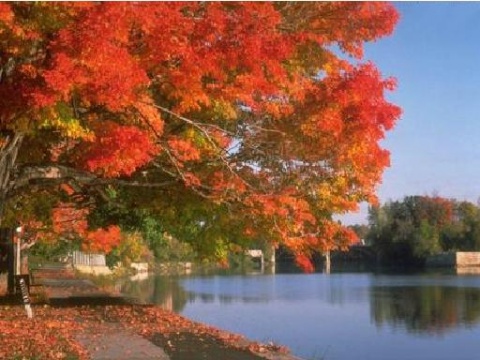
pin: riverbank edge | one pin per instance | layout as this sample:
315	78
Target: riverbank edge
270	351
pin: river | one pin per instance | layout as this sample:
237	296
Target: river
338	316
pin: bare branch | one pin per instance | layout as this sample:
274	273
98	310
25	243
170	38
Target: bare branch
202	127
196	124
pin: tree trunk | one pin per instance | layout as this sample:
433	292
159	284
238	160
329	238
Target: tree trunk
9	146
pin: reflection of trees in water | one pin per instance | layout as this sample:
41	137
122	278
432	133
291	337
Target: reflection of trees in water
225	299
169	294
431	309
158	290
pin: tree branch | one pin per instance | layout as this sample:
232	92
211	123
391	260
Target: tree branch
52	174
202	128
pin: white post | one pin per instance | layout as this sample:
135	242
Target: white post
18	244
17	256
327	262
26	298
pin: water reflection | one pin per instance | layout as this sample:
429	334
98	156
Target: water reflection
169	293
425	309
229	289
158	290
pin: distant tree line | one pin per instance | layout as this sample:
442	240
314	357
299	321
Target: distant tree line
406	232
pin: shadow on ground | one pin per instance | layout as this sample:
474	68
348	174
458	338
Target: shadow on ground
188	346
73	301
10	300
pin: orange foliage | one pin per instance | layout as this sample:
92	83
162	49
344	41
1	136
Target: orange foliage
304	263
68	220
6	15
118	150
123	84
102	240
184	150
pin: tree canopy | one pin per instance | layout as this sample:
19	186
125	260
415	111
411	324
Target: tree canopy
409	230
228	121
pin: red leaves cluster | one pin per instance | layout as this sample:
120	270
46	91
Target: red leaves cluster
68	220
90	59
118	150
184	150
6	15
71	223
360	22
102	240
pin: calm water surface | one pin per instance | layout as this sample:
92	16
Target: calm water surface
334	317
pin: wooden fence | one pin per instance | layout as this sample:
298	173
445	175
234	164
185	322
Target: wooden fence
81	258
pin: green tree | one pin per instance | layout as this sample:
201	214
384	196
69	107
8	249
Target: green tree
408	231
132	248
463	234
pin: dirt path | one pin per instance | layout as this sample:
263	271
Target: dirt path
109	342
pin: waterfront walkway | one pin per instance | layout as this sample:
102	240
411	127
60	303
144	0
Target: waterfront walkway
118	344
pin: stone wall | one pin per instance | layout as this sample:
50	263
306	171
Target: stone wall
468	259
94	270
139	267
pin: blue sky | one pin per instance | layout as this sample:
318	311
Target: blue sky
435	148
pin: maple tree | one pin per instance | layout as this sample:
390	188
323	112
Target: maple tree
240	115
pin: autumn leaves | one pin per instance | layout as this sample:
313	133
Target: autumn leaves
246	106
